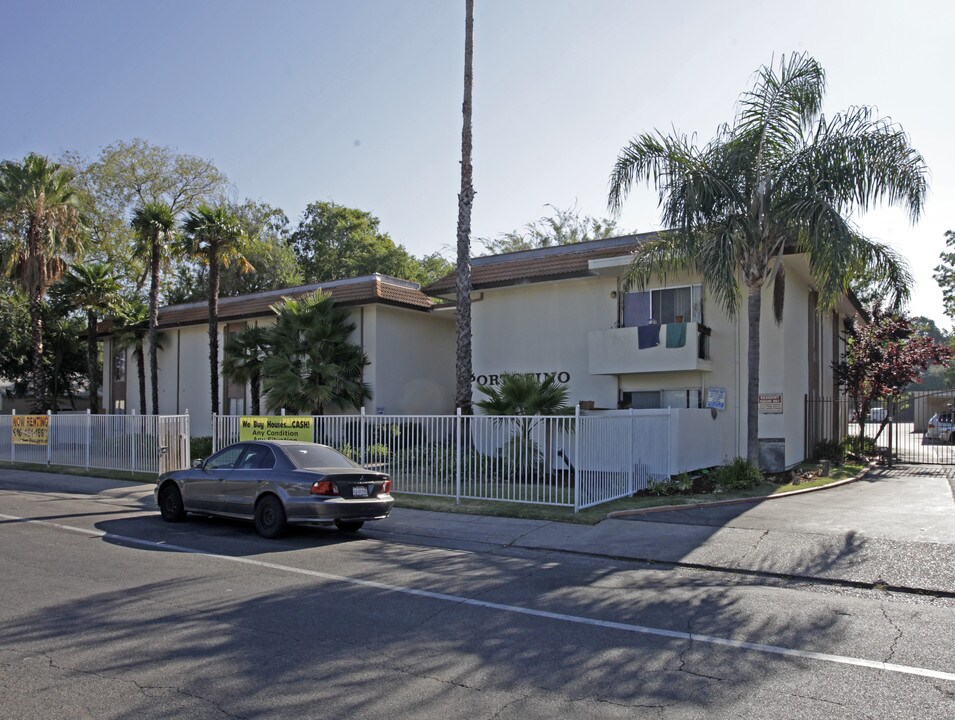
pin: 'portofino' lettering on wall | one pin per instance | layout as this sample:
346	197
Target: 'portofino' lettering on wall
561	376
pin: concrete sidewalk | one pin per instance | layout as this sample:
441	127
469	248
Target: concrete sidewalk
860	533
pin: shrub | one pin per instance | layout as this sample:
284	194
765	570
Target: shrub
738	475
200	447
831	450
859	445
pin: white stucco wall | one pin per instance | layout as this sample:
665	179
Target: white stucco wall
413	366
542	327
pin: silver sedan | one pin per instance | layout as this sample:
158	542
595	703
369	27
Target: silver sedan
277	484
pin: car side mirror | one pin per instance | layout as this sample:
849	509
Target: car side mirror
198	463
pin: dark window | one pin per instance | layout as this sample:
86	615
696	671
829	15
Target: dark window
225	459
670	305
258	457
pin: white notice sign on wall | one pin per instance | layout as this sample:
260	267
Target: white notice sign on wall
771	403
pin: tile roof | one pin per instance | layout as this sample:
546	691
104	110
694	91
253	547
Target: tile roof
367	290
550	263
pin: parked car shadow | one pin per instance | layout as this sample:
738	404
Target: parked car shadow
222	536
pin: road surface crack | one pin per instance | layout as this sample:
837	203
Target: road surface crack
898	632
142	688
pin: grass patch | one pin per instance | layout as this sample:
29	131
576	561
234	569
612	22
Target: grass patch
592	516
138	477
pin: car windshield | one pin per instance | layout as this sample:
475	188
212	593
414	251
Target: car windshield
308	457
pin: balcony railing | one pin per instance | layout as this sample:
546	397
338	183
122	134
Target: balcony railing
617	351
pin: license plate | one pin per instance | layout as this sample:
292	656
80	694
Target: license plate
359	491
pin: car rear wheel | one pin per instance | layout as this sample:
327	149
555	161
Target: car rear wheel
349	526
270	519
170	504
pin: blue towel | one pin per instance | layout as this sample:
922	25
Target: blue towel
676	335
648	336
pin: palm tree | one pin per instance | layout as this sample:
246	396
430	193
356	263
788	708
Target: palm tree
212	235
91	287
782	178
41	210
131	330
531	399
465	200
245	355
155	228
313	365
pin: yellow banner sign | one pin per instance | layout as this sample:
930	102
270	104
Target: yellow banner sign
31	429
276	428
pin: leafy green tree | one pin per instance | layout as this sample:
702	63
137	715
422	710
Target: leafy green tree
561	227
39	208
782	178
213	235
155	227
64	361
123	177
334	242
93	288
245	355
945	274
312	365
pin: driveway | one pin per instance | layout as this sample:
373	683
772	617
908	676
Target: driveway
910	504
895	527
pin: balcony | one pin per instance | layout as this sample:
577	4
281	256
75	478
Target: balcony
616	352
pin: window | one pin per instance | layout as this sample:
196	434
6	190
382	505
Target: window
258	457
656	399
225	459
119	366
308	457
663	306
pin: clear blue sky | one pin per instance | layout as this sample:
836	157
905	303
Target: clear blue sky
360	102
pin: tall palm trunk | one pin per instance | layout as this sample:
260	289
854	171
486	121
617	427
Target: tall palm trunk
154	324
463	366
36	265
214	326
141	373
754	308
255	390
91	360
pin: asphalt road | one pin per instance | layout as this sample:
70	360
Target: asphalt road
107	612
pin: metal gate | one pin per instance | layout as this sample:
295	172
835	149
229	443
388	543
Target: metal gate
173	443
901	430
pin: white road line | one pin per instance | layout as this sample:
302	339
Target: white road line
460	600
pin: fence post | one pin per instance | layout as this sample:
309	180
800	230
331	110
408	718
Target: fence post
215	432
282	412
126	429
361	435
13	445
632	458
49	436
577	458
89	436
457	458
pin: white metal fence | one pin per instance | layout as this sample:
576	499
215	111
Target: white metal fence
575	461
137	443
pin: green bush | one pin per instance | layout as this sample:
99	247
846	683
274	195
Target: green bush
738	475
200	447
859	445
831	450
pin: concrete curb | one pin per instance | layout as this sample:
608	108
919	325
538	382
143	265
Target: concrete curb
736	501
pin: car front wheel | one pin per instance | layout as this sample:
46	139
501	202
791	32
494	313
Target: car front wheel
170	504
270	519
